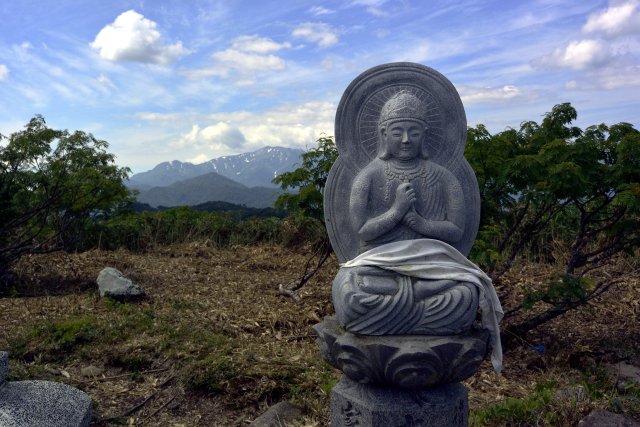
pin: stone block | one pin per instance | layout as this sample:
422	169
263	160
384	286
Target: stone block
117	285
4	365
43	403
355	404
279	415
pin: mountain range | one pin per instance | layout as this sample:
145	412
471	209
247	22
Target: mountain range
243	179
253	169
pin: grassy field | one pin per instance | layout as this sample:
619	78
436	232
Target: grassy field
214	344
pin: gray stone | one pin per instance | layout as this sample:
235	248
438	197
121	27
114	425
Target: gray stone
279	415
358	139
43	403
625	375
577	394
408	361
602	418
401	175
91	371
4	365
117	285
355	404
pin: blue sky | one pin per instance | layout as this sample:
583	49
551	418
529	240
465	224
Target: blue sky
194	80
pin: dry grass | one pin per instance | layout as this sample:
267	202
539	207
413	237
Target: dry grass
214	344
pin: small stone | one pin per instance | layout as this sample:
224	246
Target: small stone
91	371
278	415
602	418
625	374
4	365
578	394
173	405
118	286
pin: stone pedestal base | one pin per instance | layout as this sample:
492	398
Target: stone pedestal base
364	405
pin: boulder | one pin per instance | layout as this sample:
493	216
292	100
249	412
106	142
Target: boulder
41	403
279	415
602	418
624	374
117	285
577	394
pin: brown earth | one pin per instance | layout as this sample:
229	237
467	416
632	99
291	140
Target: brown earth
214	344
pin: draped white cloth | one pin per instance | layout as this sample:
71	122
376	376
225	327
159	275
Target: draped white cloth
435	260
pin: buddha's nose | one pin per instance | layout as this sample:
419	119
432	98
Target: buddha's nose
405	136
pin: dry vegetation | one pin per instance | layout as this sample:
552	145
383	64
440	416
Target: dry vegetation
214	344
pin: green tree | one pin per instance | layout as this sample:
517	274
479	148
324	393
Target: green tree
555	180
310	179
48	196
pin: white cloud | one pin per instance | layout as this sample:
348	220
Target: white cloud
105	81
213	135
133	38
4	73
230	60
242	83
200	158
26	45
319	10
258	44
382	33
377	12
619	20
507	95
317	32
607	79
578	55
328	63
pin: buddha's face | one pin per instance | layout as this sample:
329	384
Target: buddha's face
403	139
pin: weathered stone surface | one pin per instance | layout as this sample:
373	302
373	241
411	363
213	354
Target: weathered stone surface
577	394
355	404
602	418
625	374
91	371
118	286
442	169
408	361
279	415
43	403
4	365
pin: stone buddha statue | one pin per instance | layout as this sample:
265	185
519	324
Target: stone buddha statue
400	196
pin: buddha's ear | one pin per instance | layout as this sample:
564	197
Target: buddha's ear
424	151
383	151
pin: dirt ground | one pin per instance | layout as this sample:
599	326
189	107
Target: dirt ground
214	344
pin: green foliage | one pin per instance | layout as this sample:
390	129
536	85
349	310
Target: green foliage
49	195
139	232
557	193
310	178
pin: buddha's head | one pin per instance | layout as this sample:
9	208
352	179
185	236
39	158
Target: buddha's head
402	128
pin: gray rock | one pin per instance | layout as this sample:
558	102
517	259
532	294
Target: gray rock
117	285
577	394
41	403
355	404
624	374
279	415
4	365
91	371
602	418
407	361
358	139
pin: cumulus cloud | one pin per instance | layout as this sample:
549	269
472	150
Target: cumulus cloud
507	95
133	38
317	32
615	21
578	55
319	10
258	44
200	158
212	135
4	73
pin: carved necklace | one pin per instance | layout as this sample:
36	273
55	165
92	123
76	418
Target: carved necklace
404	177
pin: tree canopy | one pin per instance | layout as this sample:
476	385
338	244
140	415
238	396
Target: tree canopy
52	184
